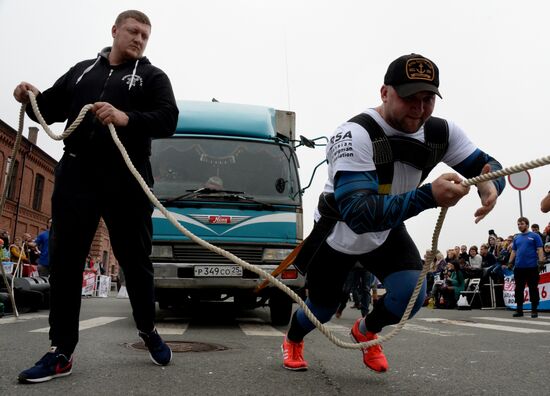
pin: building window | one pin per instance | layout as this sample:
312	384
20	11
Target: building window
38	192
12	182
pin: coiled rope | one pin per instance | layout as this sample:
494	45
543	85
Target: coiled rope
324	329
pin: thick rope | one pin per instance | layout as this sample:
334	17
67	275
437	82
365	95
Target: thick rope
324	329
439	225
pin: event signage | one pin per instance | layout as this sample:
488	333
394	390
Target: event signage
544	291
520	180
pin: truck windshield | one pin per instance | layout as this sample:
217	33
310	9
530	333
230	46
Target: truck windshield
263	171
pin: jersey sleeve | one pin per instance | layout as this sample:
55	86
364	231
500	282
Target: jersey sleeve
460	146
468	160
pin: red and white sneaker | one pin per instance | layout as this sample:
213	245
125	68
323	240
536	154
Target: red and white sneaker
373	357
293	355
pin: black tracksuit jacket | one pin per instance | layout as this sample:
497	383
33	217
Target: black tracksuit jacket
149	104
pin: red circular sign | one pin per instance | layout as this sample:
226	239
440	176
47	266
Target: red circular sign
520	181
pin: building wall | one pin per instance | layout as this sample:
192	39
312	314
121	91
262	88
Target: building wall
18	216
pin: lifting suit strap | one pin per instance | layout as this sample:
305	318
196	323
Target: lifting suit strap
386	150
423	156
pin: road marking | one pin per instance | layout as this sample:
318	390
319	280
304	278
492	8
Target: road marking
337	328
253	329
433	331
87	324
525	321
21	318
484	326
171	328
250	320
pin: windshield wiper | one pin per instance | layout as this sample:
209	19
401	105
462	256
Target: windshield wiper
204	190
248	199
224	194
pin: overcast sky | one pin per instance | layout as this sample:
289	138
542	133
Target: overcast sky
325	60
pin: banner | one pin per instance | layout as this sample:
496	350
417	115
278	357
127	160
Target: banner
88	283
8	266
544	290
30	270
103	286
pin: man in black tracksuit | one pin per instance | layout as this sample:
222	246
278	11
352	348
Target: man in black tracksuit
93	182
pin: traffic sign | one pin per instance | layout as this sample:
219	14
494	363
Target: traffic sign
520	181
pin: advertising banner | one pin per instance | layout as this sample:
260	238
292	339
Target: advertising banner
88	283
103	286
544	291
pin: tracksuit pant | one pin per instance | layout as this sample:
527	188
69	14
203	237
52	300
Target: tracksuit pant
86	189
531	277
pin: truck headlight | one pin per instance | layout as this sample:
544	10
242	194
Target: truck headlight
275	254
163	251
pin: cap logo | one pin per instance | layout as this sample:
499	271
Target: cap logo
420	69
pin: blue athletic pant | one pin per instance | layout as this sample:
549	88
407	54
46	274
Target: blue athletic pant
87	189
396	263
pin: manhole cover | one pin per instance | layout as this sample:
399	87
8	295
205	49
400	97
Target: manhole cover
184	346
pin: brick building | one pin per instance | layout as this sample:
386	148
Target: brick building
28	204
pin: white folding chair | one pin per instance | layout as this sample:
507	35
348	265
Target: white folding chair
472	290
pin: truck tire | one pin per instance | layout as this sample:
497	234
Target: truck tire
245	301
280	307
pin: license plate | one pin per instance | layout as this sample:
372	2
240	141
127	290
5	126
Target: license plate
218	271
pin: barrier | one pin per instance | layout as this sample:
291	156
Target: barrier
8	266
88	283
103	286
30	270
95	285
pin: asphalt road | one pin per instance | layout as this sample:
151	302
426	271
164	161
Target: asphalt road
443	352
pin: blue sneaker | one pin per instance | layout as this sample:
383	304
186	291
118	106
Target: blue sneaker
52	365
160	353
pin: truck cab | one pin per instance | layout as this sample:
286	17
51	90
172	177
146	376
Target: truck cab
229	175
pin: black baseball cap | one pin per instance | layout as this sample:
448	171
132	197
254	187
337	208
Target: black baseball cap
410	74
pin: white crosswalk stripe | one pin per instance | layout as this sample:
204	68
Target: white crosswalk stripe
535	322
338	328
433	331
87	324
488	326
22	318
171	328
257	327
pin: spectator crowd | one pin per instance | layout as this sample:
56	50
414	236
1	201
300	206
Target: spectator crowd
449	272
29	256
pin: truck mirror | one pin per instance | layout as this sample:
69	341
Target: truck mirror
306	142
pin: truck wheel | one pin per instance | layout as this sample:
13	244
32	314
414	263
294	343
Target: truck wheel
280	306
246	301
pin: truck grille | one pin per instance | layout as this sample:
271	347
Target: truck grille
199	255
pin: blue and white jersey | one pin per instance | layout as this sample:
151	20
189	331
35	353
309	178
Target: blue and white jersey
350	149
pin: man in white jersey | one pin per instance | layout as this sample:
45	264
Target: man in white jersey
376	164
